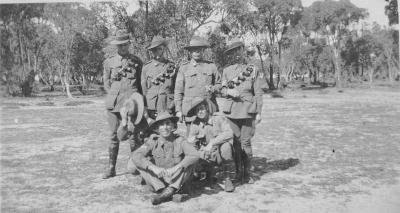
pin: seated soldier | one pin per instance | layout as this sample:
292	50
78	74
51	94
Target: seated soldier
213	138
172	159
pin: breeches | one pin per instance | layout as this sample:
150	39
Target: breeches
243	130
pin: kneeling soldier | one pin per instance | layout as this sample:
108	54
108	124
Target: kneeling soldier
172	159
213	138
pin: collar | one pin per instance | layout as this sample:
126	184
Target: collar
194	63
161	141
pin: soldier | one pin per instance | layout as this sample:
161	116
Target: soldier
242	105
121	80
171	159
196	78
158	78
213	137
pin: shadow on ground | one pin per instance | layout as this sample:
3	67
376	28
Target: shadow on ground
197	188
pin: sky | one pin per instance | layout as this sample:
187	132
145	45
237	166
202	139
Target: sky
375	8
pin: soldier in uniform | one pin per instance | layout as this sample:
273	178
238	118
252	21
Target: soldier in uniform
242	105
166	160
213	138
158	78
196	78
121	79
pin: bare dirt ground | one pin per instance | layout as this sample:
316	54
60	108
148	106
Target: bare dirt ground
316	151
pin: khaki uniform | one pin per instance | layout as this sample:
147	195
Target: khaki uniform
242	111
191	82
218	130
119	87
160	97
165	154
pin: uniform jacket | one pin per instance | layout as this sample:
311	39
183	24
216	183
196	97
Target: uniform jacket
158	97
250	101
217	129
191	82
165	154
120	87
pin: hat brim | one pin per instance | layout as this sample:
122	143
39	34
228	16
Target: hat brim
140	103
114	42
155	124
197	46
152	46
234	46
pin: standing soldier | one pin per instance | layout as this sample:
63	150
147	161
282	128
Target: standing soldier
196	78
158	78
121	80
242	105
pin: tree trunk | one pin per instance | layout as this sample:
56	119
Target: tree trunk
338	81
262	64
66	83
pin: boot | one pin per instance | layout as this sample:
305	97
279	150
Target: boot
239	176
228	185
166	195
113	154
248	168
131	168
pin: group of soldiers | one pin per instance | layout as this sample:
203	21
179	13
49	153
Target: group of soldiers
145	102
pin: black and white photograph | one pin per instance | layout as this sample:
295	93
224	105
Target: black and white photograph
209	106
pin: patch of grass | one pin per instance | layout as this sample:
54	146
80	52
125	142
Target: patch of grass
10	105
77	103
47	103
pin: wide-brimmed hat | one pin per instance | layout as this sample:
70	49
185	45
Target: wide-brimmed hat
121	37
157	41
132	109
197	101
162	116
197	42
235	43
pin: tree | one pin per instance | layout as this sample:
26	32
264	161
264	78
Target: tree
267	21
331	19
18	28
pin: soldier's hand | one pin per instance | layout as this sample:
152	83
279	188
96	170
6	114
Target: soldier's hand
160	172
171	171
191	139
258	118
180	116
234	93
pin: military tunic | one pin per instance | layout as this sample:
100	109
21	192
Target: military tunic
241	111
250	101
165	154
158	97
119	87
192	81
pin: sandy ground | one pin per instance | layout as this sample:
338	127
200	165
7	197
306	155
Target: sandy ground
316	151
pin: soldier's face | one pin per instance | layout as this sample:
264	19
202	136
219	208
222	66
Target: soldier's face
197	53
165	128
123	48
238	53
202	111
158	51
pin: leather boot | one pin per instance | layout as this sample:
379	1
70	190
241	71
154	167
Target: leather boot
113	154
238	164
131	168
248	168
166	195
228	185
